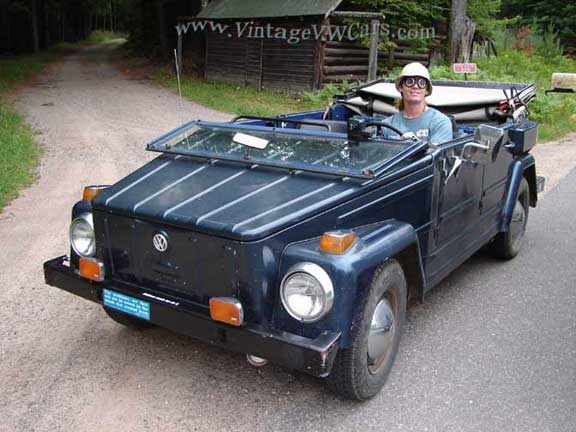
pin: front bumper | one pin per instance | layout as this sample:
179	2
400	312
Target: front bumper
313	356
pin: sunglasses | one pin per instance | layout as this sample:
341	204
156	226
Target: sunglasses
421	83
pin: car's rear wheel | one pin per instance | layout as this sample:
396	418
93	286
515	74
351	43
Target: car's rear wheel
506	245
361	370
127	320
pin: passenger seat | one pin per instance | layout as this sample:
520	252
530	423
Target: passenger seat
334	126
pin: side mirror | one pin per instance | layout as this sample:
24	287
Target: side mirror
484	149
486	145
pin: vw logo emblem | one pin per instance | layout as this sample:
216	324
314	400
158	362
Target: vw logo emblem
160	242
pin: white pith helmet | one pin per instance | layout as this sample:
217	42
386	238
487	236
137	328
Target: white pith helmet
415	70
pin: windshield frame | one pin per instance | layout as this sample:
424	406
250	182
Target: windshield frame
370	173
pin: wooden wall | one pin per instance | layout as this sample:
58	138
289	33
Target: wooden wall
264	63
349	62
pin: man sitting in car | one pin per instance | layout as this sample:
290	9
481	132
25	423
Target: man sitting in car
415	118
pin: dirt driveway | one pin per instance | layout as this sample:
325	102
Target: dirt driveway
63	364
94	124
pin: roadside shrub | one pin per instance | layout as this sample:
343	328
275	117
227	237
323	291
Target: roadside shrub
555	112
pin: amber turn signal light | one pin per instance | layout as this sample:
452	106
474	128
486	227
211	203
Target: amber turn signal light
337	242
227	310
91	269
92	191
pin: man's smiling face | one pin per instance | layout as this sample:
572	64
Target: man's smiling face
413	94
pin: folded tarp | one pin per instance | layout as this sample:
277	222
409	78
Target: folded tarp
466	101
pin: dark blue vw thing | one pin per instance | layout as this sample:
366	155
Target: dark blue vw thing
300	239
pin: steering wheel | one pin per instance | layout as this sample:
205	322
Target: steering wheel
389	126
379	125
358	128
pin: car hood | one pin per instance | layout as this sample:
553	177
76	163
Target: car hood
232	200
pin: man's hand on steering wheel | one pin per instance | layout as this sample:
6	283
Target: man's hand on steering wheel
379	125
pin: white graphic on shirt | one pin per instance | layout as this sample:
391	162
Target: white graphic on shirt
423	133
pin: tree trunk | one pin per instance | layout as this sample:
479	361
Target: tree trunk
467	40
112	16
457	29
34	23
162	28
86	25
63	26
5	29
47	41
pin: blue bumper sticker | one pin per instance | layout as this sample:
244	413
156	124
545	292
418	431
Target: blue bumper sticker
129	305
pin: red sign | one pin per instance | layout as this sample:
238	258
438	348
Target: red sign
468	68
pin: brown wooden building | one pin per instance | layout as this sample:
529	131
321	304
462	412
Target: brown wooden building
276	44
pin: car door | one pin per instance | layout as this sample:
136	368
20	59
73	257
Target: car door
495	184
456	209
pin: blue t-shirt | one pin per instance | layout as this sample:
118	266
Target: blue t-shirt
431	125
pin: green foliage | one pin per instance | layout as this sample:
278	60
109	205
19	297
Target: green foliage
406	15
19	153
555	112
548	43
324	96
483	13
559	13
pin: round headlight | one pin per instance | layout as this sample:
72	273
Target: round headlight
82	235
307	292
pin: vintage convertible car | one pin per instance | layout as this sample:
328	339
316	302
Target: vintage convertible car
300	239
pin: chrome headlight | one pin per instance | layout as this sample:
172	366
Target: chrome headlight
82	237
307	292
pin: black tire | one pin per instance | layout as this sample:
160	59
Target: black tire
127	320
506	245
354	375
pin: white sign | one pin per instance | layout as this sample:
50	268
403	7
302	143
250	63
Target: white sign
250	141
467	68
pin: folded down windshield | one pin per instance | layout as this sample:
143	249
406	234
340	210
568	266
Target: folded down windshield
256	145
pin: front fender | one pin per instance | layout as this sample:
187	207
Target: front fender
523	168
352	273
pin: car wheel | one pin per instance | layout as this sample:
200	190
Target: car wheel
506	245
361	370
128	321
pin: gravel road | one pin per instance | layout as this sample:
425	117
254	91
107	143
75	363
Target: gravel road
493	347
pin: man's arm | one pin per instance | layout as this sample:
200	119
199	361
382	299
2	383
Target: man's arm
392	120
441	130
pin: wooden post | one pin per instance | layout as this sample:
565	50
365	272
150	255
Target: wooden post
373	56
179	50
261	66
391	58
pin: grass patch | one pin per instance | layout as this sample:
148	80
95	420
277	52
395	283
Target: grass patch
237	99
102	36
555	113
95	38
19	153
